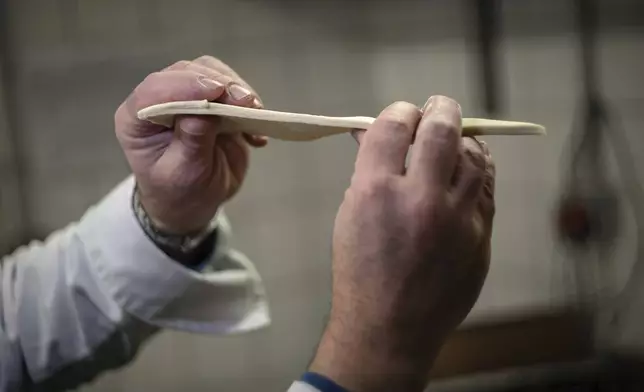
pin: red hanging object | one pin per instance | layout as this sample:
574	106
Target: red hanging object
574	221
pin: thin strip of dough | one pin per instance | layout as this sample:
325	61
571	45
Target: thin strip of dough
305	127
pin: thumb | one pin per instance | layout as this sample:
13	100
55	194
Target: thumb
196	134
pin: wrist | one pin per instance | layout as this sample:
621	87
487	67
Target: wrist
182	217
365	359
188	249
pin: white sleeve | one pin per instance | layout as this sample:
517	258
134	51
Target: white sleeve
82	302
299	386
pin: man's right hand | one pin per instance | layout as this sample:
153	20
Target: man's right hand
411	248
186	172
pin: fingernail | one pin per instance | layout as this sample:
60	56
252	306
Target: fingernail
257	103
238	92
208	83
428	105
256	140
261	141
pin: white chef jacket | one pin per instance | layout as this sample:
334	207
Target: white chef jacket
84	301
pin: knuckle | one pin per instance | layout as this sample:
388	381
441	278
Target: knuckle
430	204
377	186
204	58
213	63
225	79
431	217
179	65
489	179
182	64
153	89
444	127
148	85
443	133
478	161
209	60
395	124
401	112
489	176
380	184
477	177
149	80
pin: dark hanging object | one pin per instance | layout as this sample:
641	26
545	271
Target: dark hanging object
487	21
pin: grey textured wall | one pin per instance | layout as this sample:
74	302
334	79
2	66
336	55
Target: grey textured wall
77	60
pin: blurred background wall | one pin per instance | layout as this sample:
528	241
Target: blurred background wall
73	62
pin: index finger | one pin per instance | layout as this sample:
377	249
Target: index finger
438	141
220	66
168	86
384	146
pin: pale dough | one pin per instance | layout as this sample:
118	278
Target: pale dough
304	127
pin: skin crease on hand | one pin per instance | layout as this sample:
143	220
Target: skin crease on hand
411	248
186	173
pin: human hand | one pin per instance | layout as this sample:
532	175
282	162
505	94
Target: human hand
411	248
185	173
